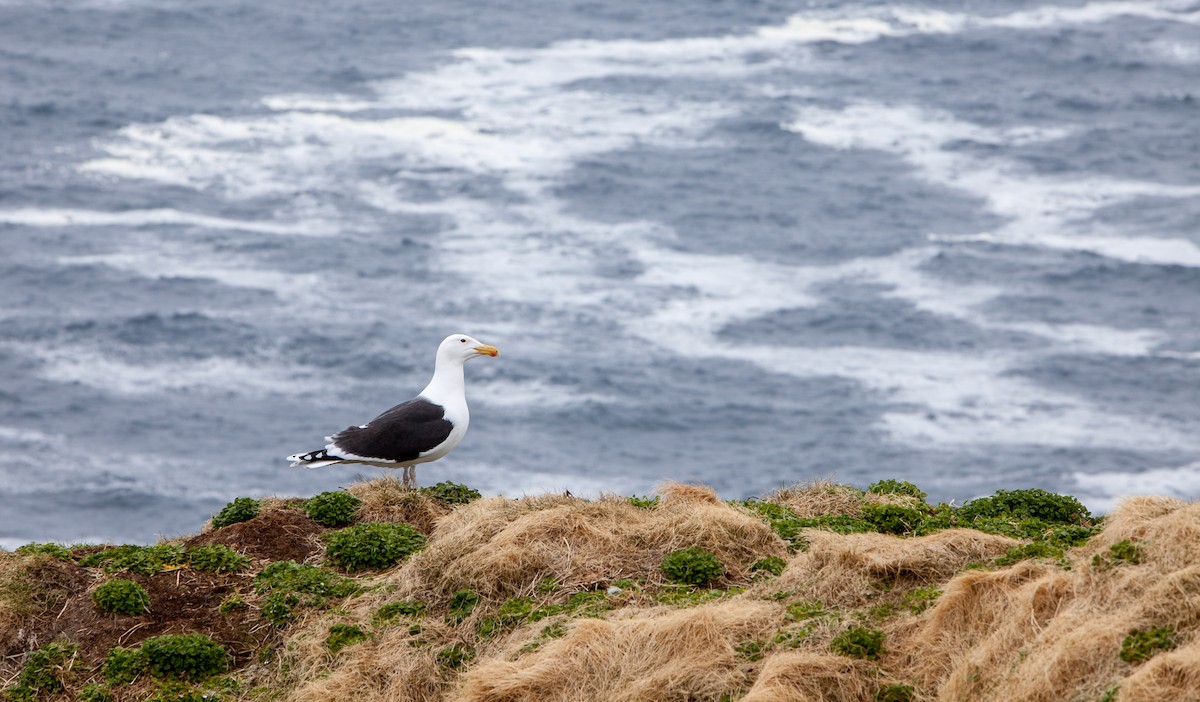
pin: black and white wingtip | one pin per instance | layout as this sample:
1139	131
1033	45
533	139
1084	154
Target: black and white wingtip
314	459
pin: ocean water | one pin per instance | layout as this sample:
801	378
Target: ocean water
742	243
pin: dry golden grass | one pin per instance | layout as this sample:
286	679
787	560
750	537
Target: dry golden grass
674	655
1036	631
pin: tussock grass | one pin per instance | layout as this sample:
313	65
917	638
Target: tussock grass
553	597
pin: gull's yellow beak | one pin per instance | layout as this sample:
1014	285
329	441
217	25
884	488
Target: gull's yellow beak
487	350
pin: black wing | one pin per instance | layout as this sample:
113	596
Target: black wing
399	434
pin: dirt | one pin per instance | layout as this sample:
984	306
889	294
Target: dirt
276	535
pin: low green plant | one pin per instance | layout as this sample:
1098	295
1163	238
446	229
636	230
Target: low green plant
119	596
232	604
93	692
287	585
892	519
691	566
557	630
643	502
451	493
343	635
143	560
1031	503
771	564
1142	644
454	656
217	558
511	613
333	509
412	609
240	510
805	609
175	691
51	549
46	672
1124	551
858	642
548	585
124	665
192	656
894	693
919	599
896	487
1037	549
373	545
462	603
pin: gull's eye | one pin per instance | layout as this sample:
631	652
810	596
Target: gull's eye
462	341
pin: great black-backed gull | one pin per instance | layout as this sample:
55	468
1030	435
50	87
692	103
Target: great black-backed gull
423	429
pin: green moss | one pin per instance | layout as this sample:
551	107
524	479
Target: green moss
896	487
240	510
557	630
454	656
333	509
118	596
51	549
451	493
193	656
858	642
894	693
1142	644
287	585
217	558
1033	503
547	585
143	560
373	545
644	502
462	603
124	665
47	672
343	635
691	566
771	564
510	613
412	609
685	596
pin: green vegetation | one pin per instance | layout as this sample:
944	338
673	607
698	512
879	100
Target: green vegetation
462	603
643	502
858	642
232	604
893	519
333	509
217	559
46	672
691	566
93	692
1037	549
896	487
805	609
343	635
451	493
454	656
1033	503
51	549
1122	552
920	599
240	510
1142	644
124	665
175	691
143	560
413	609
119	596
372	546
894	693
287	585
194	656
771	564
557	630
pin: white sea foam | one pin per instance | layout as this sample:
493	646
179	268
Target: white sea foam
1103	490
1039	210
54	217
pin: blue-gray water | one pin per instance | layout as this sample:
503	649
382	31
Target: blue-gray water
742	243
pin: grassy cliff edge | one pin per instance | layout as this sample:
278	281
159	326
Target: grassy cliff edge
813	592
